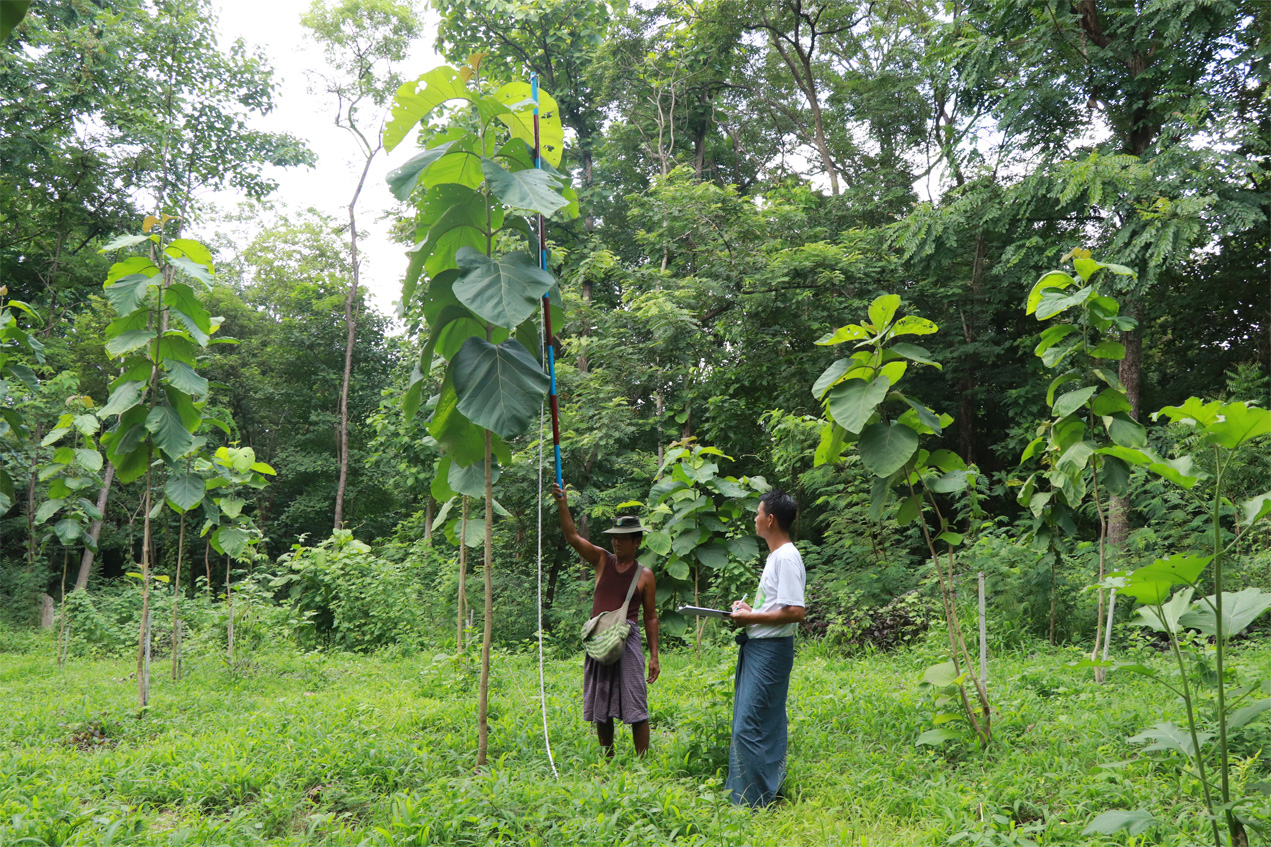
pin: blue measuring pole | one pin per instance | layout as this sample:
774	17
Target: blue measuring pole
547	309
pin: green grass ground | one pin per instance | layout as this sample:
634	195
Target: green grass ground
350	750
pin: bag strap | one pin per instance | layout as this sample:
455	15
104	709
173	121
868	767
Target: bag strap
631	589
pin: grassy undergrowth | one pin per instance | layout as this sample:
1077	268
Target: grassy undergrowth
347	750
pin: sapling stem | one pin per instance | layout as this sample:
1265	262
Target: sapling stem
1191	721
1234	827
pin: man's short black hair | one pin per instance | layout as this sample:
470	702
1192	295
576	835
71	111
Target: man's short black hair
781	506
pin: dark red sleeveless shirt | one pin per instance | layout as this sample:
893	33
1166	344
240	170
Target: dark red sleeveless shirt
612	588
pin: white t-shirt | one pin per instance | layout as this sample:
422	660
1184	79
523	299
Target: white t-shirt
780	585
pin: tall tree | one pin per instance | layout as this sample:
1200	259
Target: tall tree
362	40
111	108
283	297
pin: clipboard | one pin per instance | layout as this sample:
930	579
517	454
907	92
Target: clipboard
702	612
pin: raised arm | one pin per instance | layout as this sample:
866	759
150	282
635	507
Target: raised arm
593	554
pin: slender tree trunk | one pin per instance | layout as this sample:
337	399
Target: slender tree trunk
483	730
30	499
800	67
428	513
984	637
143	651
1099	673
350	321
94	531
1130	372
968	408
61	628
554	575
229	604
463	569
176	596
1054	591
589	219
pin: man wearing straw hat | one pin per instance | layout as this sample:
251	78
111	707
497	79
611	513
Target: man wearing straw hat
618	691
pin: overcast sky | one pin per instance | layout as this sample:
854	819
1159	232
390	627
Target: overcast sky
274	26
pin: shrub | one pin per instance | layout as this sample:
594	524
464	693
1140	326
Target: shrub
345	596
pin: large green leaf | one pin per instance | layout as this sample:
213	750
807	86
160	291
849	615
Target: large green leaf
520	119
1115	475
417	98
1054	280
1256	508
122	399
1152	584
532	190
188	310
1070	402
121	241
830	376
88	459
230	541
185	491
129	266
851	332
1076	457
402	180
1239	609
170	435
1167	736
914	353
470	480
886	447
457	218
1054	300
913	325
1167	617
47	510
499	386
11	14
126	342
926	416
1240	717
1125	431
1193	411
883	309
183	378
852	403
190	249
713	555
1239	424
743	547
461	439
127	293
191	268
6	491
457	436
1134	822
68	531
505	291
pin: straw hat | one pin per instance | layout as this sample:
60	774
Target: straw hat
626	525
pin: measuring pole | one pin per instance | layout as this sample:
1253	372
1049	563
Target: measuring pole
547	310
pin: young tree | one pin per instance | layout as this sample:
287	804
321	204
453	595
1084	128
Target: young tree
157	402
361	40
476	186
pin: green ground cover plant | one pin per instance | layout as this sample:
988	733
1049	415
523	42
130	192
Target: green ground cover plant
292	748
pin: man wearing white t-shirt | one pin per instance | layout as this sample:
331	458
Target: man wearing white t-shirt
757	757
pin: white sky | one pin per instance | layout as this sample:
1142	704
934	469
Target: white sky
274	26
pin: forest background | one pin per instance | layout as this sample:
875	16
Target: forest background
749	178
